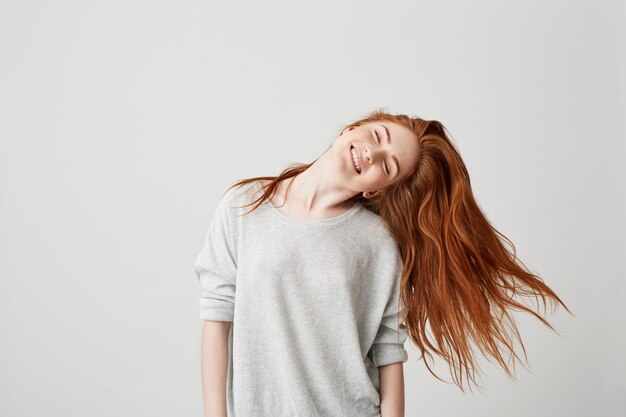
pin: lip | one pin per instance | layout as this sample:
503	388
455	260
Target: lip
358	154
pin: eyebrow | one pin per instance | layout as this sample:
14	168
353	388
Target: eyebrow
395	158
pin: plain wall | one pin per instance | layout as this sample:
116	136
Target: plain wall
122	122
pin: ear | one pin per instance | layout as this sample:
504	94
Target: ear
370	194
347	130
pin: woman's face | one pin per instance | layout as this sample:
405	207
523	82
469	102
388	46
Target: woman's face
385	153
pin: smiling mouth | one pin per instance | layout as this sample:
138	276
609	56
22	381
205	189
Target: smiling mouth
358	157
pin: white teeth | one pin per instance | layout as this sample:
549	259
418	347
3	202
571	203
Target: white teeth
355	158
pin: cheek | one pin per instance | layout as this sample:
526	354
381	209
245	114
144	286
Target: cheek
376	179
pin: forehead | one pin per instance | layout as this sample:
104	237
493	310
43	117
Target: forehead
405	137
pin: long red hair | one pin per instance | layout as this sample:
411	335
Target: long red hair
461	279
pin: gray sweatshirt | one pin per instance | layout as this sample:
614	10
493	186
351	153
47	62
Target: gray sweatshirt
314	307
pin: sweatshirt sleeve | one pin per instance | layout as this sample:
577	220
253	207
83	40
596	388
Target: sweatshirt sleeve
388	346
216	267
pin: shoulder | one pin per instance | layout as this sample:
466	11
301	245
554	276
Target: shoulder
234	199
373	231
376	229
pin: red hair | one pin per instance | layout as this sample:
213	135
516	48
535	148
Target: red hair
461	278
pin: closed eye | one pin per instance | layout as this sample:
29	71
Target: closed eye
386	169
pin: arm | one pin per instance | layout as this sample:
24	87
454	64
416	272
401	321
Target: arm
214	367
392	390
216	271
388	353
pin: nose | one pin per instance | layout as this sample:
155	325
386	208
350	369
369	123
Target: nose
371	155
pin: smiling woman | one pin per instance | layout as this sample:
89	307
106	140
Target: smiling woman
379	239
379	161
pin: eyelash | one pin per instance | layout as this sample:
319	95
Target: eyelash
378	139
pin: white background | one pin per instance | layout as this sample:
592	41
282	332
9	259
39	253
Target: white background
122	122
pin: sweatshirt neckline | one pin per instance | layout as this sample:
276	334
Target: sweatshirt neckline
313	223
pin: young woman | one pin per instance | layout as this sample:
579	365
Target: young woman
309	296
